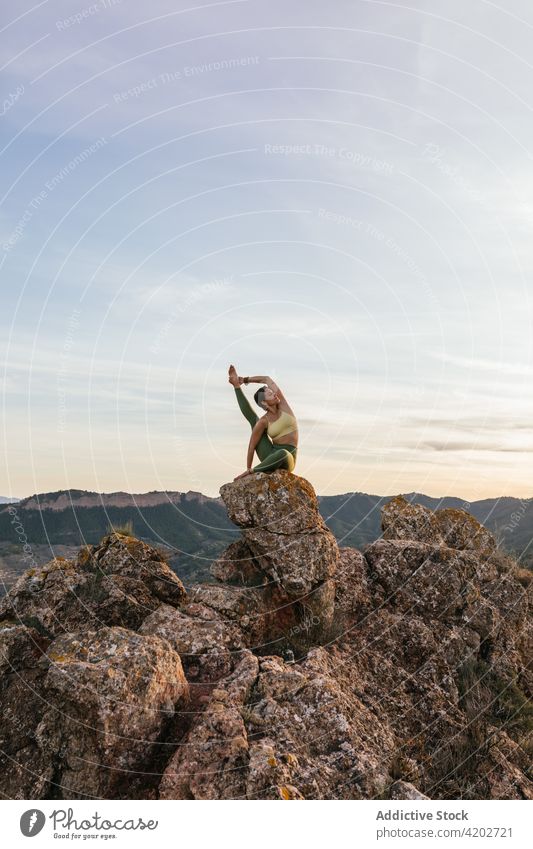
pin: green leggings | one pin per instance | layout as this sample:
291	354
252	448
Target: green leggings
272	456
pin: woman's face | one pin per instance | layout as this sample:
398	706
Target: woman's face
269	396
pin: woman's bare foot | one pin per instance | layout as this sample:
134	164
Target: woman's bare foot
233	378
243	474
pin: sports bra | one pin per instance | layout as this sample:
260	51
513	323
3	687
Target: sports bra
282	426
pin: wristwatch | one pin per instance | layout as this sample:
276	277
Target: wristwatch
246	379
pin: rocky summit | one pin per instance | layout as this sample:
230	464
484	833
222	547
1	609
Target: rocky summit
306	671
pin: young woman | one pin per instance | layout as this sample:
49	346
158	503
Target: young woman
274	435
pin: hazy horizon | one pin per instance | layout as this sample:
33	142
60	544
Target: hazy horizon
337	196
332	494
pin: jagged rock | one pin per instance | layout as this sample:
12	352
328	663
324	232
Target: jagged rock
352	595
405	790
282	527
117	582
109	693
462	531
279	502
438	582
206	643
245	607
506	769
452	527
429	580
120	554
268	618
297	561
25	771
290	733
402	520
284	564
211	762
236	566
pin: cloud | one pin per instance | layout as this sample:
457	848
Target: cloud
481	364
498	424
473	446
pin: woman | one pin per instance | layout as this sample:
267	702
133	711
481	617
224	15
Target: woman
274	435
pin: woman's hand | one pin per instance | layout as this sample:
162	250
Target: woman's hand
243	474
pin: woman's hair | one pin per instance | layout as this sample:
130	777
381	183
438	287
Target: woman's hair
259	395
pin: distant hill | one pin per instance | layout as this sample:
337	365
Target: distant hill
6	499
197	526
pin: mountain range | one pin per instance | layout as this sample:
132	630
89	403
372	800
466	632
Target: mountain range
194	529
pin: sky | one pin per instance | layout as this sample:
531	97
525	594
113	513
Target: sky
336	195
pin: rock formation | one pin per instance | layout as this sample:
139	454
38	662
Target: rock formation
284	530
307	671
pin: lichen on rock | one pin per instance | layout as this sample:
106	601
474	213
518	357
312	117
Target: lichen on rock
282	527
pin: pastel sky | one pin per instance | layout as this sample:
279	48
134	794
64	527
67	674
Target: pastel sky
338	195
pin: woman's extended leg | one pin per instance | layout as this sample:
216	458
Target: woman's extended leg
264	446
244	404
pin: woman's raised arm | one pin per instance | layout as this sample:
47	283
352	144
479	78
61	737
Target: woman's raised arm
257	378
269	382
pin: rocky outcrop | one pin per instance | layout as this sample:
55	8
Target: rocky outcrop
473	589
307	671
452	527
278	578
116	582
283	529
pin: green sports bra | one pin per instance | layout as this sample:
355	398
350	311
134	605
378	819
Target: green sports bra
282	426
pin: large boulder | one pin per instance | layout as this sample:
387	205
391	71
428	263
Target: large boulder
282	527
125	556
110	694
470	585
277	580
